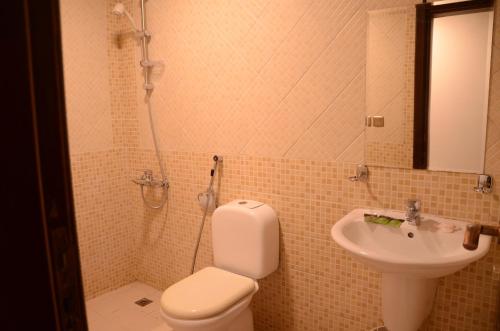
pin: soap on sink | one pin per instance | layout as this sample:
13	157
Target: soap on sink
384	220
447	228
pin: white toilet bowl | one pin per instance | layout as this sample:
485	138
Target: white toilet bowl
210	300
245	240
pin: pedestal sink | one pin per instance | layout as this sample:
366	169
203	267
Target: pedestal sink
410	258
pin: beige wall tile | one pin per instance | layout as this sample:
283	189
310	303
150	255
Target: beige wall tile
86	67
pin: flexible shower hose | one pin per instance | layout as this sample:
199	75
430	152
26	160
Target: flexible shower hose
164	180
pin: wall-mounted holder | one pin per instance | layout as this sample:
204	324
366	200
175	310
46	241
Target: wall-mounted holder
376	121
209	195
361	174
484	184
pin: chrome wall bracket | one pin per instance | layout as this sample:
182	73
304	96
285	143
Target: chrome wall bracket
484	184
361	174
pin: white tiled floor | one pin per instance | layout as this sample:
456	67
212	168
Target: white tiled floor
116	310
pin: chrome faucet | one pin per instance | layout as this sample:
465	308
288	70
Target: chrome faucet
472	232
148	175
413	212
148	179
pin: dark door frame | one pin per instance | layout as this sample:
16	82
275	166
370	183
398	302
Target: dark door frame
42	285
423	36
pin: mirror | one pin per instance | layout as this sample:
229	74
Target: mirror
427	85
390	55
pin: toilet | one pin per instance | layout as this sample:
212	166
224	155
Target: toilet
245	239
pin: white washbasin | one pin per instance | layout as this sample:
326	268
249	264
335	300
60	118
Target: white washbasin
410	258
430	253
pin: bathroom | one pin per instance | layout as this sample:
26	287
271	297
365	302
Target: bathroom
287	95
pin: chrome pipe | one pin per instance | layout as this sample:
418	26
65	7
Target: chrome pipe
147	65
144	44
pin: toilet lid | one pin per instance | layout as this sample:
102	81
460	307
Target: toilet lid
205	293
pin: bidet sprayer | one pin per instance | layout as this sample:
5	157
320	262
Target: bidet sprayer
207	199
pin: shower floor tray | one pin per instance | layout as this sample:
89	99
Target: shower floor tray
134	307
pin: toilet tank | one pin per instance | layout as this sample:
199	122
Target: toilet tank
245	238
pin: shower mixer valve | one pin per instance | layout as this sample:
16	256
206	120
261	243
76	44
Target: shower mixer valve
147	179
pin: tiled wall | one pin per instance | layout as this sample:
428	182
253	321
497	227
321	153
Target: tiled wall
86	75
234	70
278	88
103	223
318	286
100	133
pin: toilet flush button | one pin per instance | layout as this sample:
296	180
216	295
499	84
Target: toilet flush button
248	204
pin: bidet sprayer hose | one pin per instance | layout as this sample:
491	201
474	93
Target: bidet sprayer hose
210	195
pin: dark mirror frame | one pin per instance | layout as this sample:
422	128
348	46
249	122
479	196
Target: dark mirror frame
425	13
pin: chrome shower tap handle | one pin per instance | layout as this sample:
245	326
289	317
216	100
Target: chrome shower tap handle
148	174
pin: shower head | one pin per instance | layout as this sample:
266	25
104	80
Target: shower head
119	10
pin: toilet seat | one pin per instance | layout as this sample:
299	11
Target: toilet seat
205	294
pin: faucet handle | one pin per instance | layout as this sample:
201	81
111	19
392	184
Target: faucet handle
413	204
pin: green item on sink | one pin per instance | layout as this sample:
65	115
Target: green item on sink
384	220
395	223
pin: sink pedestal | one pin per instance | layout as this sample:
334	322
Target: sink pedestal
406	302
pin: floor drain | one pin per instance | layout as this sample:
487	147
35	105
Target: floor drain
143	302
